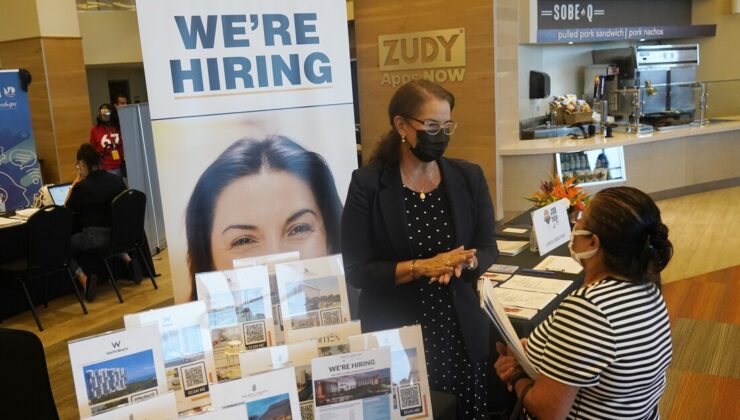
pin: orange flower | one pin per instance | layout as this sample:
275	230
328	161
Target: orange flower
554	189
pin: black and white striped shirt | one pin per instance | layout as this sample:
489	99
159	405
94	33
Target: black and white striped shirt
611	339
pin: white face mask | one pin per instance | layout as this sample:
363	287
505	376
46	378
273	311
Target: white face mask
579	256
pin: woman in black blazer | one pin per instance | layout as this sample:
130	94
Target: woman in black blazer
417	231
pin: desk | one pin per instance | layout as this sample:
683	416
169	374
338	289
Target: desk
529	259
13	246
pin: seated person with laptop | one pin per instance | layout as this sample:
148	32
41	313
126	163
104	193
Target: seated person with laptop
90	198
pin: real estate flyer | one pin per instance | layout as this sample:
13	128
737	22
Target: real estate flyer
331	339
353	385
297	356
313	293
239	314
270	261
497	314
411	397
269	395
187	352
162	407
118	368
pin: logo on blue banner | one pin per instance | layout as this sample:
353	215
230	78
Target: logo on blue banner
20	175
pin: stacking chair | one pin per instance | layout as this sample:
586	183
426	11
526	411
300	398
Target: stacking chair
26	391
128	211
48	233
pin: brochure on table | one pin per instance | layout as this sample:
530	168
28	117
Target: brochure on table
523	298
331	339
551	225
353	385
269	395
118	368
498	316
313	293
411	397
239	314
236	412
297	356
536	284
187	352
559	264
162	407
270	261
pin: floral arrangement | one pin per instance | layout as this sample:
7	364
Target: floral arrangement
554	189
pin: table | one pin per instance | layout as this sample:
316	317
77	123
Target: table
13	247
529	259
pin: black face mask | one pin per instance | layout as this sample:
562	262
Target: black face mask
430	147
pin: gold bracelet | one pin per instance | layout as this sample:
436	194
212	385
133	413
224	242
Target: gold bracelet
412	269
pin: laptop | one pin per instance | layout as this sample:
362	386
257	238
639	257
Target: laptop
59	192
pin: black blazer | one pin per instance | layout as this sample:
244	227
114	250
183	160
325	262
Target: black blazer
375	239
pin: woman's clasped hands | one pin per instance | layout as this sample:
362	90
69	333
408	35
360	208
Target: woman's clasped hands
443	266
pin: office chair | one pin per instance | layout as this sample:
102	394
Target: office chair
128	211
27	391
48	232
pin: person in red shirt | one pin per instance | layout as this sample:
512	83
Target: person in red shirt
105	137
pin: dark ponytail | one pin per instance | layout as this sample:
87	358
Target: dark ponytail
633	237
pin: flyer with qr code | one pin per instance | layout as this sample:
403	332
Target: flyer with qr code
313	293
270	261
187	352
411	396
118	368
353	385
331	339
269	395
162	407
297	356
239	314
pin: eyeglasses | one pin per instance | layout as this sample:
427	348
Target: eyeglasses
434	127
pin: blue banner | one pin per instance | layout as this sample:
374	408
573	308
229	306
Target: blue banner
20	174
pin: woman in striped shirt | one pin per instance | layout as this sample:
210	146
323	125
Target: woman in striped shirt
604	351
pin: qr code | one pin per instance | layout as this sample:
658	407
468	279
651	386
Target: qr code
194	379
307	411
409	399
255	335
331	316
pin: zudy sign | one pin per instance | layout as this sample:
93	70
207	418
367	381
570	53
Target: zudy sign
439	54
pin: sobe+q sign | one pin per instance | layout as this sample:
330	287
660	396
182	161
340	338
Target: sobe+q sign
435	55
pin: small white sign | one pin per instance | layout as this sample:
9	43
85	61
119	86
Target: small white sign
551	225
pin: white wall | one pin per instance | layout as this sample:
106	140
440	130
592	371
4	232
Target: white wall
58	18
97	84
564	64
110	37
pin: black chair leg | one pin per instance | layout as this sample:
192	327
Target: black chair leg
149	270
113	280
77	290
46	293
30	303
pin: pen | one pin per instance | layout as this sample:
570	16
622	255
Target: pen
532	270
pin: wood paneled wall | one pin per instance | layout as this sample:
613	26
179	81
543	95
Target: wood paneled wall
60	109
474	108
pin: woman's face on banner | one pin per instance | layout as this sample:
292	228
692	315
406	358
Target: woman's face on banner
266	213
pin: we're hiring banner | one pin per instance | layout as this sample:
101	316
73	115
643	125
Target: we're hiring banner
251	106
20	175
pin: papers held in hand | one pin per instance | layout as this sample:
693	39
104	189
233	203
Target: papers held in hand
498	316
